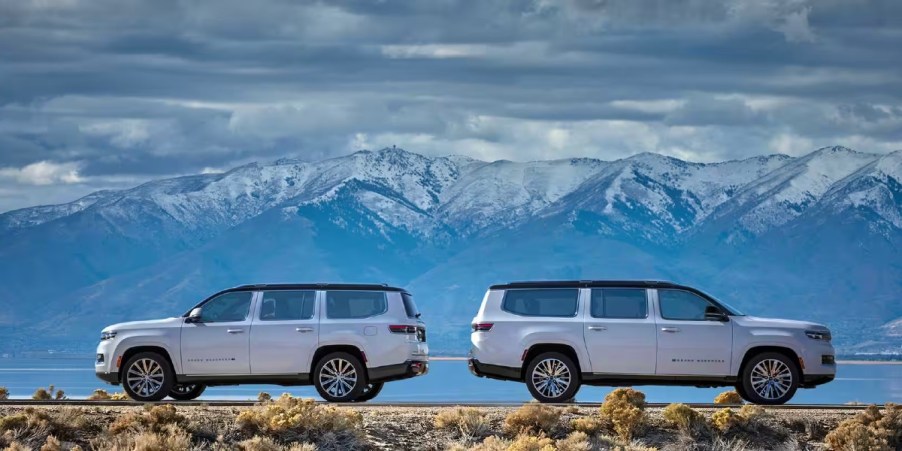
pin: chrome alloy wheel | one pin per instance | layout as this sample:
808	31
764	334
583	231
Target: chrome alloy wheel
771	379
145	377
551	378
338	377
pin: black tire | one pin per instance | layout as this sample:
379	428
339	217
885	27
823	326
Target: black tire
336	363
158	382
186	392
776	378
552	363
371	391
742	394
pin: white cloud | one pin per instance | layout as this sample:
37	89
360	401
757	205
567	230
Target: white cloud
44	173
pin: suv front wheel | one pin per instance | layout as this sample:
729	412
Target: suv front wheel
770	378
340	377
552	377
147	377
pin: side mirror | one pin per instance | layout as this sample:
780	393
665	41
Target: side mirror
194	316
714	314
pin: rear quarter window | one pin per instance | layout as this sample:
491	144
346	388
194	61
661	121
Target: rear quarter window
410	307
550	302
355	304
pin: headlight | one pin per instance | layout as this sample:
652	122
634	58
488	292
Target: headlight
107	335
823	335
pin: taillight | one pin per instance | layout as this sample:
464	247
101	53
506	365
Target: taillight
402	329
482	327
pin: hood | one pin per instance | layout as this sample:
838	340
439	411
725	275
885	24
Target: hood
154	323
779	323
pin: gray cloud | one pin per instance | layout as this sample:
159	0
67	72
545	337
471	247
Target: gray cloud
106	93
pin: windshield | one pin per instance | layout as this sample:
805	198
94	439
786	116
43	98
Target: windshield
733	311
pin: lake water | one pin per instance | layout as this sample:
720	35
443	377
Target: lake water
451	381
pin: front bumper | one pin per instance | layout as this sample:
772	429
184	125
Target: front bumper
406	370
813	380
105	363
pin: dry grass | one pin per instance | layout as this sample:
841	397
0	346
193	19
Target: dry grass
728	397
532	417
153	419
32	427
4	393
625	409
871	430
686	419
292	419
590	425
102	395
264	397
470	422
576	441
45	394
258	443
168	437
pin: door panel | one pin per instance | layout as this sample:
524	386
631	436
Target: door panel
218	344
687	343
620	332
285	332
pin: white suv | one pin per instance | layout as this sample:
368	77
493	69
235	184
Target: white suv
347	340
557	335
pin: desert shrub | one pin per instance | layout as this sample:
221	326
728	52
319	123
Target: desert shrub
468	421
590	425
119	396
728	397
51	444
853	435
168	437
532	417
264	397
33	426
872	428
152	419
296	419
99	395
725	419
4	393
683	417
258	443
625	409
527	442
16	446
46	394
576	441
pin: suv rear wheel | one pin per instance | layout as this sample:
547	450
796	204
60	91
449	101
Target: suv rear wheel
370	392
147	377
770	378
186	392
339	377
552	377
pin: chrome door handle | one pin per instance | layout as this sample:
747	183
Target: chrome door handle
670	329
598	328
304	330
235	331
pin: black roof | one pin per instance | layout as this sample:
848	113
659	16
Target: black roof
318	286
590	284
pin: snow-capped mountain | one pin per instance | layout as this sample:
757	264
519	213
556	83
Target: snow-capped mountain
815	236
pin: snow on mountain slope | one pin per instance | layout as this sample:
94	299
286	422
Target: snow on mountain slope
788	191
876	188
30	217
500	193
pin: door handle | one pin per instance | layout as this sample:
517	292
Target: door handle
670	329
598	328
235	331
303	330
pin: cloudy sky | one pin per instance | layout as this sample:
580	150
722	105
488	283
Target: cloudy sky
110	93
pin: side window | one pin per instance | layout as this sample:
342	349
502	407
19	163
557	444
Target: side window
287	305
682	305
409	306
227	307
541	302
625	303
355	304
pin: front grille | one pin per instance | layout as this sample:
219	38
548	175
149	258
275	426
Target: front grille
828	360
421	334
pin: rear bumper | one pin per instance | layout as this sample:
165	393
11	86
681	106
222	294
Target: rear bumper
406	370
503	373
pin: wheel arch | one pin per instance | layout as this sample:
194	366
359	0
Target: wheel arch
328	349
134	350
756	350
539	348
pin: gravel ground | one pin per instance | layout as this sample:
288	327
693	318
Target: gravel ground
396	428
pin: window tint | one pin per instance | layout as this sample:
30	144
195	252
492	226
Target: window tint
542	302
227	307
287	305
678	304
354	304
409	306
619	303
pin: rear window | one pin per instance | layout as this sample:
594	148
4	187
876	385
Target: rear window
409	306
355	304
555	302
